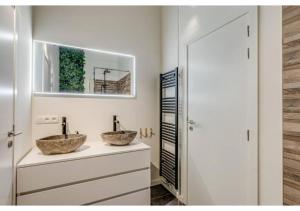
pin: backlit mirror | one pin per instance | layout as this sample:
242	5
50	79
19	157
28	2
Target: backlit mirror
67	70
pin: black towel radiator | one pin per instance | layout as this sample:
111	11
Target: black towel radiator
169	131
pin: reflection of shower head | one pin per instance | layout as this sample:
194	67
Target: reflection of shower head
106	71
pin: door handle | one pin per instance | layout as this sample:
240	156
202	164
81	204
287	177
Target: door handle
13	134
9	144
192	122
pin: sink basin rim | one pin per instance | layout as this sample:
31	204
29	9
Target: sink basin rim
57	144
120	132
119	138
61	137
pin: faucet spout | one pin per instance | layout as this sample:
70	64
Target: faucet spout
115	122
64	126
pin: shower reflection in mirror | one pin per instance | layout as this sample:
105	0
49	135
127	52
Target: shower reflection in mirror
61	69
111	81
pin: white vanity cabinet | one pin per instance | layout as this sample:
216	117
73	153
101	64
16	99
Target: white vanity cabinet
96	174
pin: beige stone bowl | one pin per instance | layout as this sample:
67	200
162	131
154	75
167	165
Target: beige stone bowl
60	144
119	138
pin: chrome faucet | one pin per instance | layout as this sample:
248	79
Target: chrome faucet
64	126
115	122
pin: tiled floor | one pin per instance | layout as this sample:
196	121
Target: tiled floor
161	196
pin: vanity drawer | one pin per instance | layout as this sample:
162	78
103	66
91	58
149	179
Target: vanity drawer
91	191
56	174
141	197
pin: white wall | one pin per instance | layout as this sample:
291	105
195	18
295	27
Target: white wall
130	30
23	82
196	21
169	38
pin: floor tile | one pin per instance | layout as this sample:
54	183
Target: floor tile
161	196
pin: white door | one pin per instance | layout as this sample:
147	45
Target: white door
6	102
220	157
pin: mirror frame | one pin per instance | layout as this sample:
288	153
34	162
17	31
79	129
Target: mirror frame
83	95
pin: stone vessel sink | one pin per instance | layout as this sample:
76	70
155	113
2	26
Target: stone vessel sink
60	144
120	138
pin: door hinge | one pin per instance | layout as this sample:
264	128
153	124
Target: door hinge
248	31
248	53
248	135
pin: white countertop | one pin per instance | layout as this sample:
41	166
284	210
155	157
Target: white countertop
88	149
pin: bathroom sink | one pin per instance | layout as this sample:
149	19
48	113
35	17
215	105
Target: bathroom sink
60	144
123	137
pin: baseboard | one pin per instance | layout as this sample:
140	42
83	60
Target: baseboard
156	181
171	189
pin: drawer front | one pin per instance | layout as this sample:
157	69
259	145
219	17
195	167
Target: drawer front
38	177
89	192
137	198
